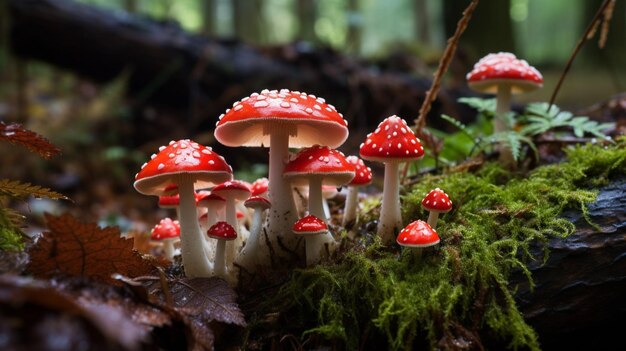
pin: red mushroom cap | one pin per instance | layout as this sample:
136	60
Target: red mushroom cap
169	201
310	225
437	200
418	234
208	199
258	202
181	157
222	231
232	188
259	186
362	174
503	68
392	140
166	229
314	121
320	161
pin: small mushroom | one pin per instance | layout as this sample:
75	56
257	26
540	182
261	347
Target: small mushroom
222	232
167	232
249	256
417	235
310	226
232	191
436	201
392	143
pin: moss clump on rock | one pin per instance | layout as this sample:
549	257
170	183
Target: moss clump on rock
456	294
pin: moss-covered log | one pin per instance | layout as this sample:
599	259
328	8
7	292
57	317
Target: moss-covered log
578	301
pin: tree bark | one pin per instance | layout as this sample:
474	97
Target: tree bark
578	299
307	15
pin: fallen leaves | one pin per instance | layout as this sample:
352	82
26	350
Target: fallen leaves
83	249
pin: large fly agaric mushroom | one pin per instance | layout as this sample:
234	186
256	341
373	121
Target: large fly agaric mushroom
436	201
503	74
362	176
417	235
167	232
315	166
222	232
310	227
189	165
248	257
280	120
392	143
232	191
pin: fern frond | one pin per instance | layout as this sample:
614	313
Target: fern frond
486	106
17	189
462	127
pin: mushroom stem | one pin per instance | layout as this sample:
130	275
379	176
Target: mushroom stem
250	253
352	200
390	219
503	106
231	218
169	249
191	238
220	259
433	216
314	245
283	213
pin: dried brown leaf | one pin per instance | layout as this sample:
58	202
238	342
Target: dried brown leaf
83	249
17	134
210	299
17	189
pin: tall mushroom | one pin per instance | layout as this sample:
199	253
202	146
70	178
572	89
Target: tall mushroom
503	74
316	166
310	227
392	143
436	201
222	232
167	232
280	120
189	165
248	257
232	191
362	176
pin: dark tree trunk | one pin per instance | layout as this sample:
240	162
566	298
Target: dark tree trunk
579	301
306	11
355	23
209	17
247	20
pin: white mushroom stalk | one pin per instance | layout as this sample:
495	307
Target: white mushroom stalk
222	232
250	255
232	191
310	227
362	176
390	220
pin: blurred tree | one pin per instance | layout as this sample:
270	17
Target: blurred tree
131	5
307	15
355	24
209	17
423	23
248	20
490	30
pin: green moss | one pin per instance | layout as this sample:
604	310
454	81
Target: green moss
460	289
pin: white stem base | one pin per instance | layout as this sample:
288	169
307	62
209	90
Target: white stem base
390	221
249	257
352	201
317	243
169	249
433	216
503	106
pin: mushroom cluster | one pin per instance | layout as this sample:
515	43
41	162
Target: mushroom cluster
198	183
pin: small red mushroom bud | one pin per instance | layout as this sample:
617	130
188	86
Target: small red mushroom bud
309	227
436	201
417	235
222	232
167	232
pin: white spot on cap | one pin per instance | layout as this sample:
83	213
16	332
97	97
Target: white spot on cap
144	165
171	155
238	107
160	166
261	104
399	146
285	104
294	100
206	151
161	148
211	162
152	157
309	110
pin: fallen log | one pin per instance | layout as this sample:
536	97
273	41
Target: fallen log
201	75
578	298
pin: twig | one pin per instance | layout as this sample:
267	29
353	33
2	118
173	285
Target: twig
444	63
602	16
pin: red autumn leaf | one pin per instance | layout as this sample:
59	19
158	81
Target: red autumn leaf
17	134
83	249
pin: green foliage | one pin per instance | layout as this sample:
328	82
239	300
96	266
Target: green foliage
460	287
535	120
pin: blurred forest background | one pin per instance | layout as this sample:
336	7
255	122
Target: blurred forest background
99	127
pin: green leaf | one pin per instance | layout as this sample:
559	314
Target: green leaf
486	106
